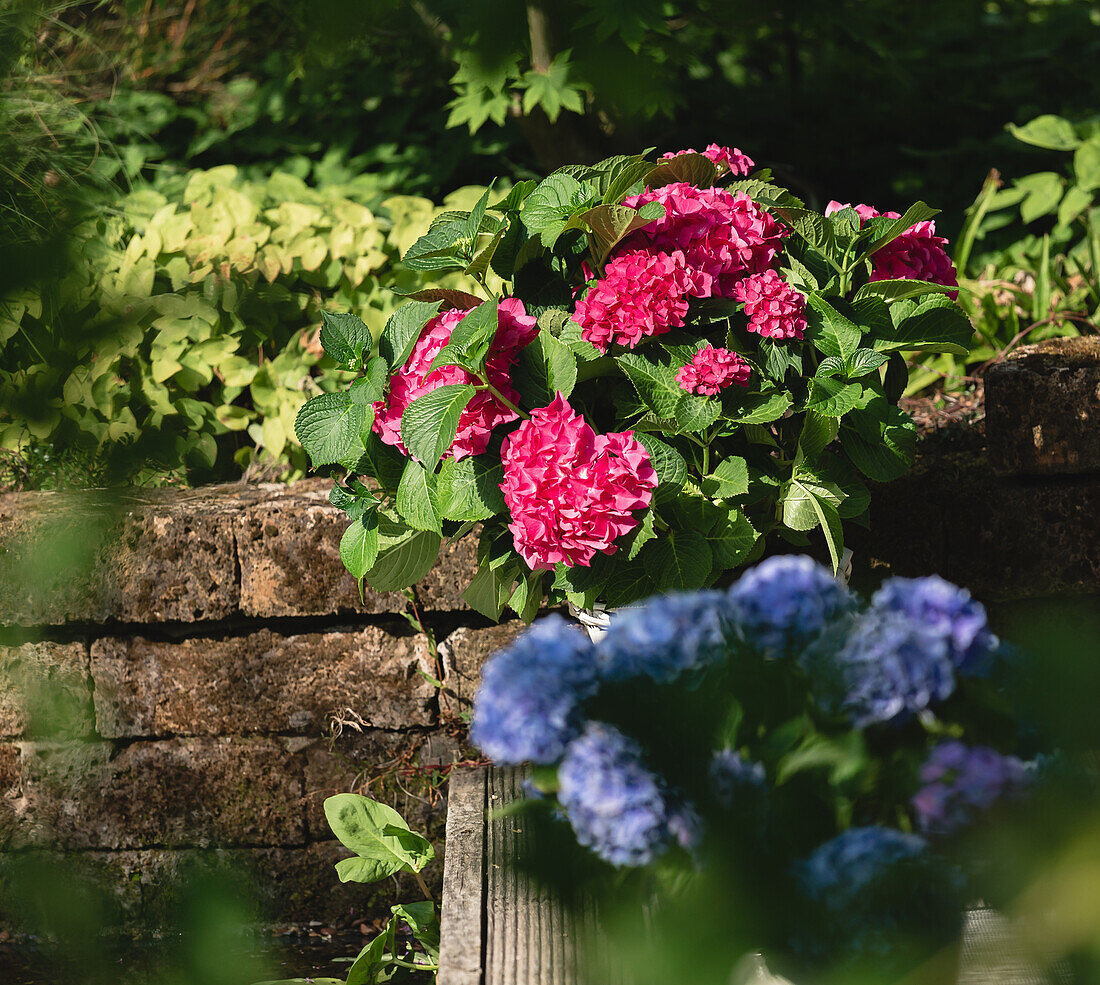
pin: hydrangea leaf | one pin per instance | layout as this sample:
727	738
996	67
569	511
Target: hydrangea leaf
899	290
610	224
548	209
418	498
344	337
483	593
359	545
695	169
544	368
695	412
761	408
328	425
429	423
451	297
405	563
917	212
655	382
679	560
469	489
732	540
403	329
934	324
470	339
730	478
371	386
668	463
832	397
831	332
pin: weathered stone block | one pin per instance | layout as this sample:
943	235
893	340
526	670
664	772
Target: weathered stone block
1042	407
45	691
463	653
290	565
179	792
261	682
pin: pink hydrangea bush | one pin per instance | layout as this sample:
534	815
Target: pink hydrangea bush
917	254
728	157
711	370
484	411
775	309
572	493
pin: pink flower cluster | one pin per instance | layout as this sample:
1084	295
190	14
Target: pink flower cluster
775	309
711	370
640	294
730	157
515	328
570	491
917	254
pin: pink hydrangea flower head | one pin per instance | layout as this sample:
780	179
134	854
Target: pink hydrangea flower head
712	370
515	328
571	492
724	235
730	157
775	309
917	254
640	294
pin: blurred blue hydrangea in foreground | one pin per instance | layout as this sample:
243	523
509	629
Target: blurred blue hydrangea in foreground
783	713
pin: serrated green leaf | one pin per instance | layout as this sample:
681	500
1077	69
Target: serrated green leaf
610	224
642	534
544	368
667	462
830	331
418	498
862	362
344	336
695	169
371	386
654	382
678	560
551	205
470	339
403	329
817	431
730	478
696	413
626	177
447	246
359	545
917	212
761	408
405	563
935	324
832	397
469	489
429	423
732	541
899	290
328	425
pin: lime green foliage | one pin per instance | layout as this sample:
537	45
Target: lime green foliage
1030	250
184	337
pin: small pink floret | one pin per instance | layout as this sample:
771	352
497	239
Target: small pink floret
712	370
731	157
775	309
515	328
917	254
572	492
720	234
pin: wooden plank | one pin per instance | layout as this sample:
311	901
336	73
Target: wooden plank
462	943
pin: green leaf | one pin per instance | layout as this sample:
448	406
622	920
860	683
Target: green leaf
832	397
423	920
429	423
655	383
515	198
627	583
403	329
760	408
484	593
527	597
831	332
844	757
1044	192
808	504
935	324
1051	132
446	246
372	965
469	489
898	290
642	535
667	462
811	226
549	89
344	336
729	479
880	440
695	169
731	541
1086	165
917	212
379	837
480	263
678	560
470	339
328	425
629	174
551	205
359	545
544	368
862	362
764	192
610	224
818	430
418	499
453	298
405	563
371	386
696	413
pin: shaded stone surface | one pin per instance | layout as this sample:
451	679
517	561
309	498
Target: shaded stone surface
261	682
463	652
45	691
174	793
1043	408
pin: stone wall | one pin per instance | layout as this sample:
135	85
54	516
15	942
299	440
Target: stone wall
176	657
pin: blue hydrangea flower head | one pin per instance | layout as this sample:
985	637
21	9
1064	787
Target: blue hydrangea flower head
529	703
949	610
842	868
617	806
666	636
783	604
962	781
735	779
891	667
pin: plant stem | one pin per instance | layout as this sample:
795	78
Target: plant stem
423	886
504	400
